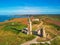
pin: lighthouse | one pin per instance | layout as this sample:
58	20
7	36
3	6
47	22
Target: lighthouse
29	26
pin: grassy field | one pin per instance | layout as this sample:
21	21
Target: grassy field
10	35
10	38
13	26
55	17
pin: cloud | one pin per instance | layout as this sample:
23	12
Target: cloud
21	10
28	10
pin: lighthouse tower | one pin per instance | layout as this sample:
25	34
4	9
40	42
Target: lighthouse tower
29	26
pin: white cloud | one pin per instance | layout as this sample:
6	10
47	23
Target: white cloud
27	10
21	10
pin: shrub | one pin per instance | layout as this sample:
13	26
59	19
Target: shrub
35	22
56	41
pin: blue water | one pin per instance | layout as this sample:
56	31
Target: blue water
7	17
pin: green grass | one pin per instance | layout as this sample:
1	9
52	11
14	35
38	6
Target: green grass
56	18
15	27
40	44
26	37
35	22
9	36
56	41
55	26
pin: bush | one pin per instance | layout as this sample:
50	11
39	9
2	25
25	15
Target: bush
14	28
9	38
56	41
56	26
35	22
26	37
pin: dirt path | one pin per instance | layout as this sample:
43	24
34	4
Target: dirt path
40	24
35	42
30	42
37	26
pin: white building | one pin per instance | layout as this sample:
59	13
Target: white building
36	19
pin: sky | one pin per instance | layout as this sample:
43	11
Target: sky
29	7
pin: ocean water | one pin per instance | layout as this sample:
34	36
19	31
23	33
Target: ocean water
7	17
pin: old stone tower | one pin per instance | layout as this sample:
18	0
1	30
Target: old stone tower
42	32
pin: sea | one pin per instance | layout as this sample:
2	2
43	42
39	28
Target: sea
8	17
